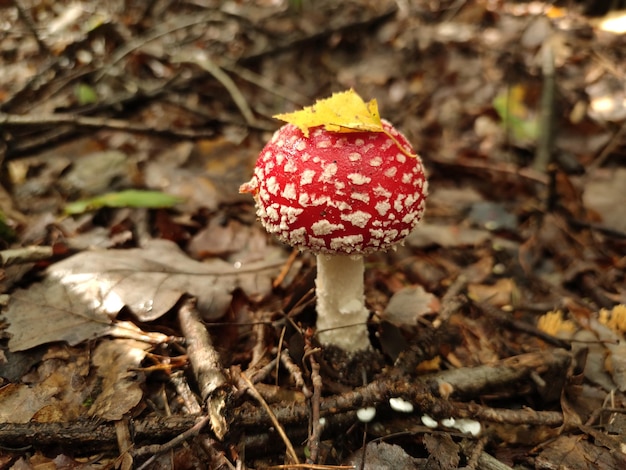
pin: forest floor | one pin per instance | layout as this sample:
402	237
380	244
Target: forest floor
149	321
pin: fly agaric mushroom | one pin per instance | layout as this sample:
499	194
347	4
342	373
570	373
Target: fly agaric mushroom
341	196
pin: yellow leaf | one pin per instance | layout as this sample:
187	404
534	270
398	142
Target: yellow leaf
554	324
342	112
614	318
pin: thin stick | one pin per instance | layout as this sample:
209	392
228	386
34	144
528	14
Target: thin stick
545	145
206	365
257	396
178	440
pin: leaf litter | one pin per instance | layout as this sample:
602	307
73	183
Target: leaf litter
465	312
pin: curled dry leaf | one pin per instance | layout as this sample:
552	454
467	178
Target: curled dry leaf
81	295
409	304
117	362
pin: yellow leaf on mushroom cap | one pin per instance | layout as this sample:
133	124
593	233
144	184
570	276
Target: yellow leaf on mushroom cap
342	112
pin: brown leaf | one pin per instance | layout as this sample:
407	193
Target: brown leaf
82	294
444	452
116	361
409	304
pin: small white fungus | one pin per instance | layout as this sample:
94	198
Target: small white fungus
400	405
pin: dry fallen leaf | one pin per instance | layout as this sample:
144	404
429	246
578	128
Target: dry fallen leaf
81	295
117	362
53	391
409	304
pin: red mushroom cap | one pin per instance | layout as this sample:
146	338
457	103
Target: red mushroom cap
347	193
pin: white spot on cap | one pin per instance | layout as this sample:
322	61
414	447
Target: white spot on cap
307	177
361	197
343	206
408	218
348	243
272	186
316	243
407	177
290	191
391	172
272	212
358	178
368	147
359	142
290	166
340	143
410	200
290	214
320	200
382	192
391	235
260	174
328	172
300	145
298	236
354	156
382	207
324	227
324	144
358	218
397	205
377	233
280	157
387	145
303	199
376	161
401	158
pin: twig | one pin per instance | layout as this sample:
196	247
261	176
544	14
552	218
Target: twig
28	21
27	254
155	450
469	382
506	319
268	85
183	391
91	122
285	269
279	428
294	371
153	35
615	142
95	435
480	459
203	61
495	167
545	144
316	427
450	302
206	365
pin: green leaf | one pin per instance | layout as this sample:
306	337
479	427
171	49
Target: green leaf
129	198
85	94
520	122
7	234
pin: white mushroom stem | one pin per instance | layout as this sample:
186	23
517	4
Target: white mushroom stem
341	313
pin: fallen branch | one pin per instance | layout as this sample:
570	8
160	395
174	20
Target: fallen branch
206	365
338	410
